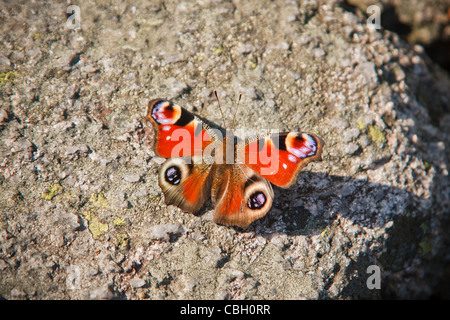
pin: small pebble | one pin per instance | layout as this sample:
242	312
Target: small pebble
101	293
137	283
318	53
351	148
132	177
164	232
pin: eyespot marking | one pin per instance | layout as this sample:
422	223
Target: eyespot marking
173	175
257	200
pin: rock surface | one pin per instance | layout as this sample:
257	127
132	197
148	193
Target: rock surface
82	216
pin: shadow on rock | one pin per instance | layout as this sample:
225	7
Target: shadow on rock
410	251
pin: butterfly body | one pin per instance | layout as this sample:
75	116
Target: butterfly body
203	164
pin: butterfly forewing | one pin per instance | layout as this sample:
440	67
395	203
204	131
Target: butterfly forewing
179	132
280	157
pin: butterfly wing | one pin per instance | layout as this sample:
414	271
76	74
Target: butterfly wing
240	195
179	132
185	184
184	179
280	157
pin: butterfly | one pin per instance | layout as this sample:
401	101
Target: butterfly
203	162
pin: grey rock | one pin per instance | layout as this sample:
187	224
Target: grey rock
281	46
350	134
17	293
348	190
65	62
108	88
68	219
379	197
132	177
351	148
367	70
123	204
178	88
295	75
90	68
137	282
77	150
319	53
4	116
101	293
364	141
164	232
4	61
175	58
121	196
246	48
3	264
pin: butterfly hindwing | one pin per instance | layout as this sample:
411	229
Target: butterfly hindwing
185	184
240	195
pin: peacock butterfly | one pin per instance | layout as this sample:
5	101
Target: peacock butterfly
202	162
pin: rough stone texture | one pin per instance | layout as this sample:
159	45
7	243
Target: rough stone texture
82	216
426	22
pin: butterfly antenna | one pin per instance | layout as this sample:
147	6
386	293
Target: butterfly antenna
235	111
220	108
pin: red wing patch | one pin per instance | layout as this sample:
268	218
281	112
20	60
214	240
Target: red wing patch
194	186
179	133
279	157
231	197
227	193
